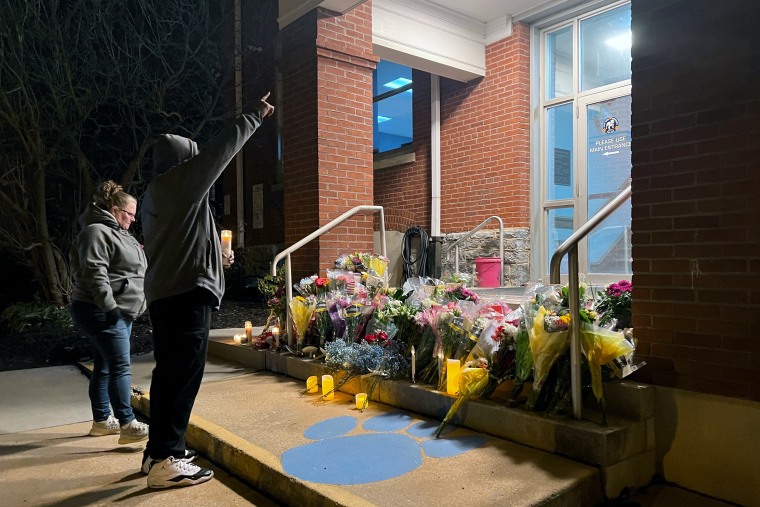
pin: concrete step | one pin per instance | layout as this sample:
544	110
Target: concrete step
622	452
261	427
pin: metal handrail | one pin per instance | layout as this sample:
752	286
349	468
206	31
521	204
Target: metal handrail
325	228
455	245
570	247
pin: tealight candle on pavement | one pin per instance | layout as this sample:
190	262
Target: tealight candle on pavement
311	384
328	387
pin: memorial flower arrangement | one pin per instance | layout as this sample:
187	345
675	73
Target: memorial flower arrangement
380	332
614	304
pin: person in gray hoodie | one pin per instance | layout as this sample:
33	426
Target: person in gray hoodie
108	266
184	283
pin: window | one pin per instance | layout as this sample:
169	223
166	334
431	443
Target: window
392	107
585	139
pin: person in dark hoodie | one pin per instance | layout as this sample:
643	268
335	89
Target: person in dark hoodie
108	266
184	283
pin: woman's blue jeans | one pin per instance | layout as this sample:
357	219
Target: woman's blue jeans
111	379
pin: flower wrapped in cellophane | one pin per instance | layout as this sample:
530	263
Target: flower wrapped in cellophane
392	362
301	310
602	346
473	380
549	338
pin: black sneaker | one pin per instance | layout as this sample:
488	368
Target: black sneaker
173	472
147	463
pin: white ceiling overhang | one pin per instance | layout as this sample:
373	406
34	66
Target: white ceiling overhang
443	37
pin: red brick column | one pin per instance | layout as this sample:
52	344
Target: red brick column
696	195
327	65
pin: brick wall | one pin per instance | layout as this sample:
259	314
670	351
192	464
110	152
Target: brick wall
485	150
406	188
299	132
696	194
328	133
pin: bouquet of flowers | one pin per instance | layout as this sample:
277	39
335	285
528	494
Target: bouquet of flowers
473	380
459	292
301	310
273	289
548	338
323	320
351	359
601	347
614	304
336	310
392	363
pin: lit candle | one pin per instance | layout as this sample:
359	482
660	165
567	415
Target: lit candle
237	338
226	246
452	376
440	366
248	331
276	337
361	401
328	387
414	363
311	384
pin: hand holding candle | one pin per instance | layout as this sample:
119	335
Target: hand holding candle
226	247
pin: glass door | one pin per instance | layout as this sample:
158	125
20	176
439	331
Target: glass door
606	138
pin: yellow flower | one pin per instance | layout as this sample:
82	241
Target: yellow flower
601	346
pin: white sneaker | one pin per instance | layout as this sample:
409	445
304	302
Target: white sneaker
148	462
173	472
133	431
108	427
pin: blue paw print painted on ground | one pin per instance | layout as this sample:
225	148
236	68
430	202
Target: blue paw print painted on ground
390	444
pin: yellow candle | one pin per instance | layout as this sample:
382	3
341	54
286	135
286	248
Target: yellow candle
311	384
327	387
452	376
226	246
248	331
361	401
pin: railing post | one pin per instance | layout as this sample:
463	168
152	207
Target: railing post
288	298
573	294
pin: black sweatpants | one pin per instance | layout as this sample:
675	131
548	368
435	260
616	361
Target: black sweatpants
180	341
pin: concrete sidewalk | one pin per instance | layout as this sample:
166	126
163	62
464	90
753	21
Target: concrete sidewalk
260	427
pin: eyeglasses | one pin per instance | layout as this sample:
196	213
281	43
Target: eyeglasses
131	215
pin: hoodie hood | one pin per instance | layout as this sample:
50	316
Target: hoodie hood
95	215
171	150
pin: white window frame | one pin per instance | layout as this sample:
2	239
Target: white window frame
539	163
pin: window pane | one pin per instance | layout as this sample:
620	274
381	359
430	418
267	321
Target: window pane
608	173
393	122
559	156
392	116
559	63
559	228
606	48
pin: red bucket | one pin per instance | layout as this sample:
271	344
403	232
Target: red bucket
488	271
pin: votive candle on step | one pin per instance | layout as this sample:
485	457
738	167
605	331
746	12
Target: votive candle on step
248	331
328	387
237	339
311	384
414	363
361	401
452	376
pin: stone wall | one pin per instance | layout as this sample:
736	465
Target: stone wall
485	243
